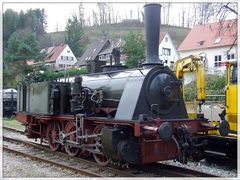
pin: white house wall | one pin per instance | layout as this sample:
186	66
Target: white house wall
210	54
68	62
174	54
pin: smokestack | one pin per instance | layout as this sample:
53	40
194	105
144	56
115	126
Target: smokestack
152	29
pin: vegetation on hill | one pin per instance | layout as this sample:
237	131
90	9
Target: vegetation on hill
121	30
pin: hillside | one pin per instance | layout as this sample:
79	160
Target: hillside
120	31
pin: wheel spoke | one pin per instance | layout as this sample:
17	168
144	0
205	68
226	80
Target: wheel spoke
72	151
53	131
100	159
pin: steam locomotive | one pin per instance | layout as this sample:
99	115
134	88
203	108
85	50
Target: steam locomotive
127	116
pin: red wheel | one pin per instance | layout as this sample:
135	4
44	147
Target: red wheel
69	148
99	158
53	131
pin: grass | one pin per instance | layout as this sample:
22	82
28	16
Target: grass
13	123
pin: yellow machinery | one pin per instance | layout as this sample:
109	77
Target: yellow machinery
193	63
231	106
227	145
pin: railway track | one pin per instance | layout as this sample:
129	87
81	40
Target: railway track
41	153
14	130
91	169
166	170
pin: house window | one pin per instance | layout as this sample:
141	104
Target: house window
217	41
200	43
61	57
217	61
68	51
102	57
166	39
108	56
230	56
166	51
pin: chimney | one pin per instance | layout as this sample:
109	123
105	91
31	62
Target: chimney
152	30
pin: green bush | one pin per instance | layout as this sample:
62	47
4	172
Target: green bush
214	86
38	76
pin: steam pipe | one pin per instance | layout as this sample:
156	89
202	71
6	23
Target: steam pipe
152	29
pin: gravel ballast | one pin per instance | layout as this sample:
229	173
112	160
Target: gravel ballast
204	167
18	166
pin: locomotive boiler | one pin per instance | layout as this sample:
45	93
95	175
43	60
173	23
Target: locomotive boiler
127	116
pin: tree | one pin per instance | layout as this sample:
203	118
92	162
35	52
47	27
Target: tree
10	24
36	21
74	35
81	14
134	48
165	11
22	47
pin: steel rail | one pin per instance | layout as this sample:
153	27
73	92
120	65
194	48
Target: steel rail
119	173
59	164
156	168
13	130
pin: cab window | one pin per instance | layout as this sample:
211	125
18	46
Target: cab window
233	74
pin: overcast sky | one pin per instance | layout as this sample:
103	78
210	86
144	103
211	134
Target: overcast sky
58	13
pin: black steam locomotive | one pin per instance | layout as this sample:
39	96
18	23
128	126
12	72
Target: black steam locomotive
131	116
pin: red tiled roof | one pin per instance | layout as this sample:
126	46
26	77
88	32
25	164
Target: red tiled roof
161	36
54	52
209	34
32	62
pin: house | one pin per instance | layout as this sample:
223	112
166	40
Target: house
216	41
59	57
32	62
99	52
167	51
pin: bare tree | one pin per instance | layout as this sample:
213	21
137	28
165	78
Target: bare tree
95	18
165	12
223	12
81	14
88	21
183	16
138	12
104	15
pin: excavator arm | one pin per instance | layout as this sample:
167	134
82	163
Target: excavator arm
193	63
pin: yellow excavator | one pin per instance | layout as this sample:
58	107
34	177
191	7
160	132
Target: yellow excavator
226	145
231	103
193	63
